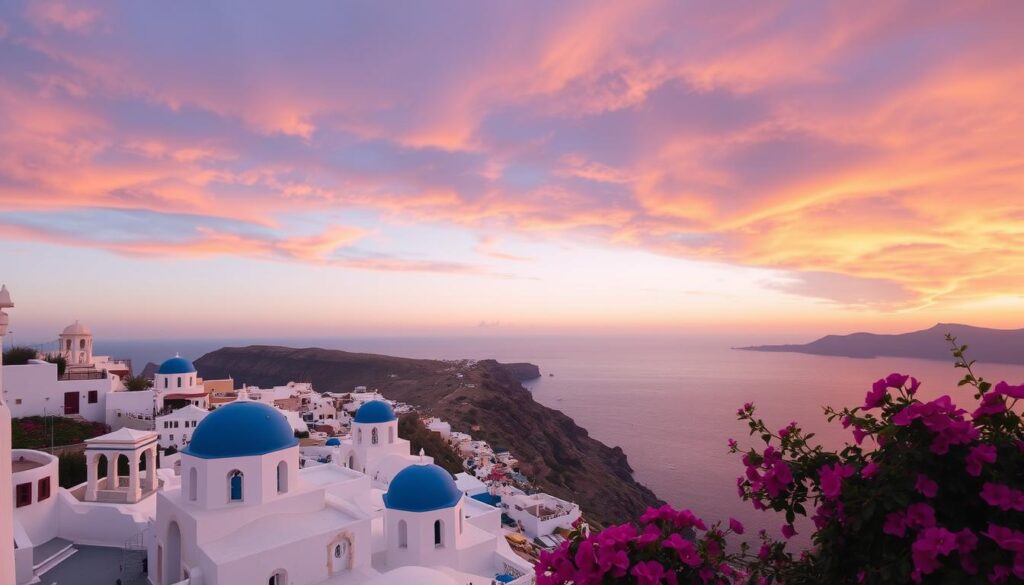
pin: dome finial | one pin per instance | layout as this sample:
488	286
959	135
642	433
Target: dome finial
422	456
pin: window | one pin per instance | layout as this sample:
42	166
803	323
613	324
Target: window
172	437
235	486
94	396
43	490
81	344
23	495
175	424
359	436
165	382
391	434
193	484
373	436
179	381
403	534
69	345
337	551
17	400
282	477
438	540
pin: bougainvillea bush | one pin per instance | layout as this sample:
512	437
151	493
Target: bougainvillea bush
924	492
667	546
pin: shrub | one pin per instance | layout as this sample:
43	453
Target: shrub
72	469
137	383
19	355
927	492
62	363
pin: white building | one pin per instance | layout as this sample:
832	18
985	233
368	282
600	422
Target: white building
540	514
7	575
106	510
373	447
176	428
35	389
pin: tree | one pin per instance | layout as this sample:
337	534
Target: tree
137	383
62	363
19	355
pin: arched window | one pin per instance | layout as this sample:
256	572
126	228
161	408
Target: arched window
373	436
391	434
359	436
235	492
69	345
282	477
351	462
81	344
403	534
165	382
438	534
278	578
179	381
193	484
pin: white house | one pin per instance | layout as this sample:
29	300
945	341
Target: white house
176	428
35	389
540	514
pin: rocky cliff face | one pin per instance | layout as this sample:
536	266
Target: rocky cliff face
487	401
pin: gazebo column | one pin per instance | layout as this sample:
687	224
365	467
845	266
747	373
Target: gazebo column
151	478
92	472
134	482
113	463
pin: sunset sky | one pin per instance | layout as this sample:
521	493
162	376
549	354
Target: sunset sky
332	168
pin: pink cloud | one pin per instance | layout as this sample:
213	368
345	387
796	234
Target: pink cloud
877	146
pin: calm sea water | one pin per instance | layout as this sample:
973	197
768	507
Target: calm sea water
670	403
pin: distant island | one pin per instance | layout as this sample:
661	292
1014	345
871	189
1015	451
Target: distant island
1005	346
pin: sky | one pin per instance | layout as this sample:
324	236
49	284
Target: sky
338	168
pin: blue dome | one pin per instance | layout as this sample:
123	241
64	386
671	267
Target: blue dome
375	411
333	442
422	488
241	429
176	365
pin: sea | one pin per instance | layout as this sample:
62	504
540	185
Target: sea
669	402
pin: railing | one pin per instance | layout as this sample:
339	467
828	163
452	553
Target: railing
86	375
133	557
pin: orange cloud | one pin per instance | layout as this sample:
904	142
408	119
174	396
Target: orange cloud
848	146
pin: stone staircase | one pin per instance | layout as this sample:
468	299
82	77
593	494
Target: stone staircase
50	554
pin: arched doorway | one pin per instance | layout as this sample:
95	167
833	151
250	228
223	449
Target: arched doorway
340	554
171	558
403	534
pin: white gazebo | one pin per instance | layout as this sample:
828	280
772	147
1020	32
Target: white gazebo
136	447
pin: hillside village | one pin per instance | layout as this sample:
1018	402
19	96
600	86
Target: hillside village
339	438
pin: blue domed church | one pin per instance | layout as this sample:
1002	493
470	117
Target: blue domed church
374	447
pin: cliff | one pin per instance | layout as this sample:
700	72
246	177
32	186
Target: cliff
985	345
488	401
522	371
